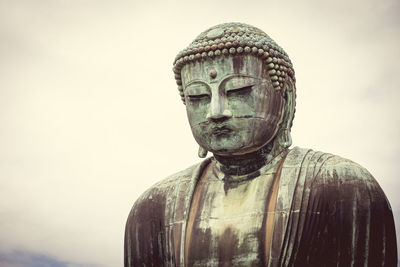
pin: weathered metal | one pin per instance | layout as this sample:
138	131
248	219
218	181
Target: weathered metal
255	202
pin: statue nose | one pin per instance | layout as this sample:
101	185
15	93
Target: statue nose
226	114
218	110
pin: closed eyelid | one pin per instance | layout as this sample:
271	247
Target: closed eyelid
242	86
197	89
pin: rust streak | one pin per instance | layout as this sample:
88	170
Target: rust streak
270	212
194	206
177	238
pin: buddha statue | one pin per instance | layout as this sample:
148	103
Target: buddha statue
256	201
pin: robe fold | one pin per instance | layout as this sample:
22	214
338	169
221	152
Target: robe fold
327	211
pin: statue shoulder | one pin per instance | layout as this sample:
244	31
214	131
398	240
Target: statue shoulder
328	168
152	212
335	174
345	172
341	203
156	196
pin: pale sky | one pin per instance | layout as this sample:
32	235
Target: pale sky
90	116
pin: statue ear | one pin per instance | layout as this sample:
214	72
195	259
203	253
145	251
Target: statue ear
284	137
202	152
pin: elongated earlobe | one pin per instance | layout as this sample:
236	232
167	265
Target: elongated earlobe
284	138
202	152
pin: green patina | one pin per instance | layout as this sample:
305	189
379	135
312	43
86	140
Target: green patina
255	202
239	89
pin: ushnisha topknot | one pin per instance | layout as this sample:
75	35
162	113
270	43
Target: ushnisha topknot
232	39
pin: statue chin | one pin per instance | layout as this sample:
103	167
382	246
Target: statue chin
233	148
237	136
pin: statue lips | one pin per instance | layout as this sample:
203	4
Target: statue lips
220	130
215	128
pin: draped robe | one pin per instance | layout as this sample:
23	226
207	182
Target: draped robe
318	210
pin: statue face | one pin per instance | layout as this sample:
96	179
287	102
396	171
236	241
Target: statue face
231	104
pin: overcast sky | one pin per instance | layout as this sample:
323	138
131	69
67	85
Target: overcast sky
90	115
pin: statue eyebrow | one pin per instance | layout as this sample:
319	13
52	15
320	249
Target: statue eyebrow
196	81
223	81
231	76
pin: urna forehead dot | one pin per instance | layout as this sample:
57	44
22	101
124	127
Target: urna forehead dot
213	73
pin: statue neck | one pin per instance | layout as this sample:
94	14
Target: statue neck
248	163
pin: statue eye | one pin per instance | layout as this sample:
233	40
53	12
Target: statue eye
240	91
199	97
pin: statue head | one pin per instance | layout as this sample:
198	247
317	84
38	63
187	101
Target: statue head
239	89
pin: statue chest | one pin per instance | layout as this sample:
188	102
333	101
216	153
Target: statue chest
227	221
